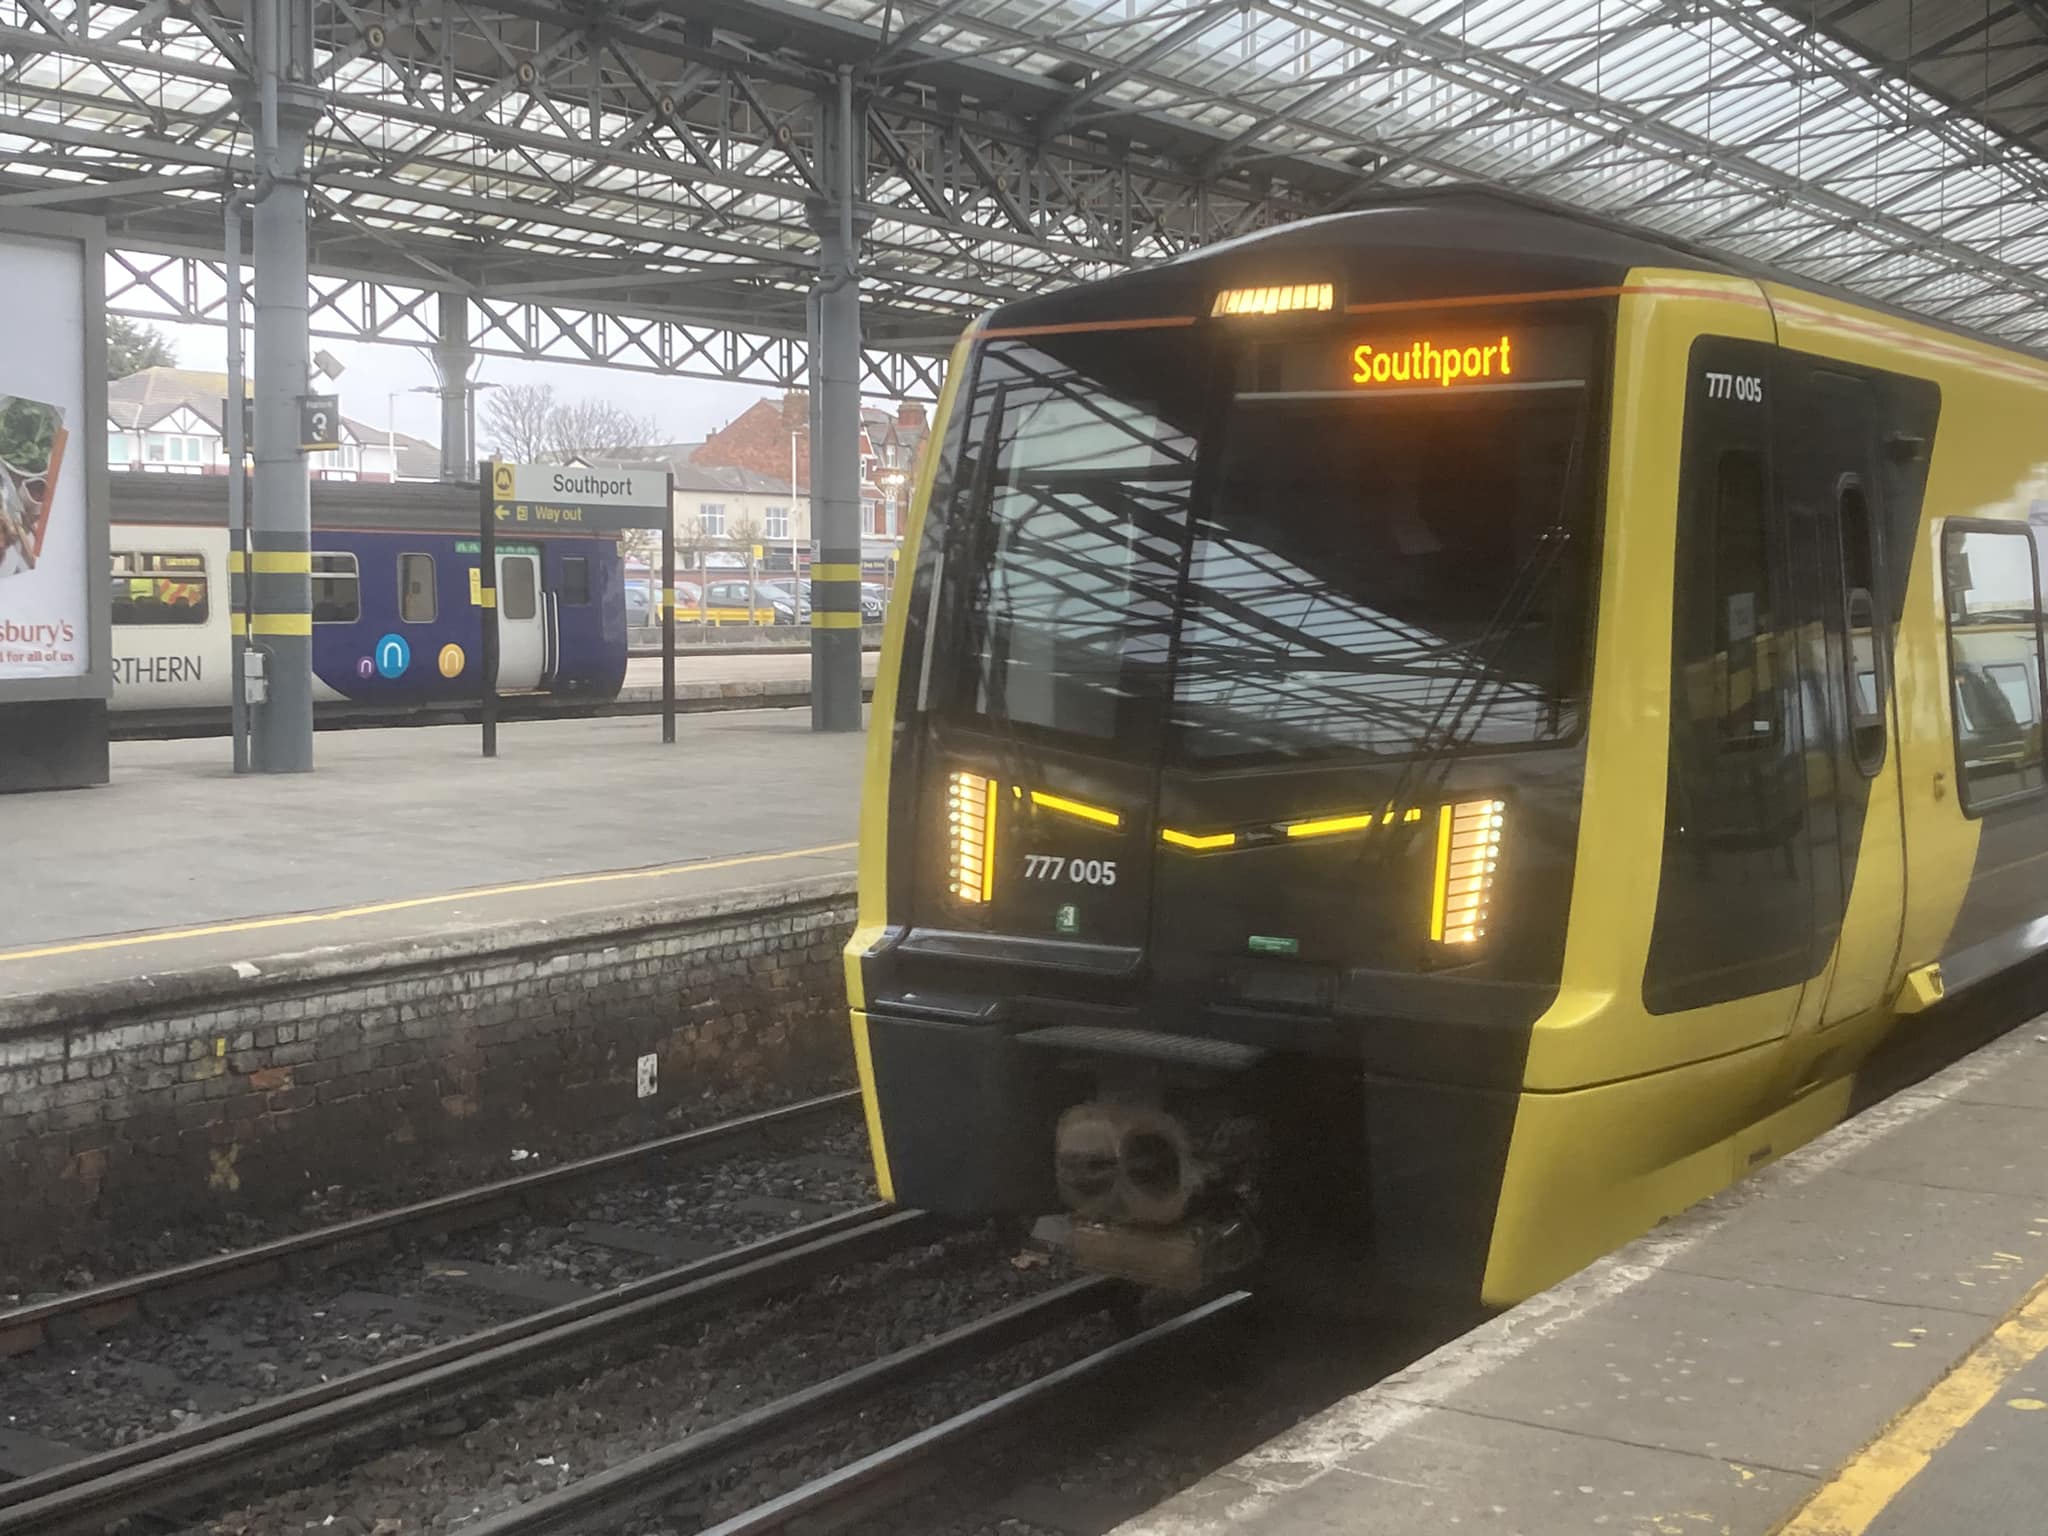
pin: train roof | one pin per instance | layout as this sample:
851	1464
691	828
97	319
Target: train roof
1457	242
145	496
1440	242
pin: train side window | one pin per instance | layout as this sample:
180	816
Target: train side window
515	588
1741	695
1864	648
152	587
1992	581
418	601
575	590
337	589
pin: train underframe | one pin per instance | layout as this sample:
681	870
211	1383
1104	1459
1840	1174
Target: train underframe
1185	1163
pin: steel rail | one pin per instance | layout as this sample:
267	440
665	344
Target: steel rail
171	1468
605	1497
26	1327
872	1472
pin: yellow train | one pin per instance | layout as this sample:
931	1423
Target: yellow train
1450	728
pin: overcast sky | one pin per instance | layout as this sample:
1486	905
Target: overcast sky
684	410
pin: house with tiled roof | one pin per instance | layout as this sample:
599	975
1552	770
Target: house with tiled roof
171	421
770	435
715	499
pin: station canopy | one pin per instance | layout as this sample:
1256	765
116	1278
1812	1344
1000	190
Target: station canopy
628	169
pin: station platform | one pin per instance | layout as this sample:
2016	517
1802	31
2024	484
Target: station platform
410	833
220	992
1852	1342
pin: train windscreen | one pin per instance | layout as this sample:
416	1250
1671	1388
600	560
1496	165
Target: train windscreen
1181	542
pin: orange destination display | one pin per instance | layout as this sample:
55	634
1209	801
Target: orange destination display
1427	362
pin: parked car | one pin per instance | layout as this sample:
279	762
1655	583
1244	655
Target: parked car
639	602
769	606
782	586
874	601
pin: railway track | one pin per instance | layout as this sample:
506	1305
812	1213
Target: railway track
166	1472
172	1477
858	1488
169	725
30	1326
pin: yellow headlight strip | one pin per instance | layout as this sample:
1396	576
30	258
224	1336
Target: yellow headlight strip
988	846
1197	840
1076	808
1441	889
1322	826
1468	849
1328	825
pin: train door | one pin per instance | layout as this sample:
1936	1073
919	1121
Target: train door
1828	465
1735	907
522	622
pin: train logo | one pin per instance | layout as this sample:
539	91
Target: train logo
452	660
365	668
393	656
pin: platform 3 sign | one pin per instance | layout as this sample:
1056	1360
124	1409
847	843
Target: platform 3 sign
574	498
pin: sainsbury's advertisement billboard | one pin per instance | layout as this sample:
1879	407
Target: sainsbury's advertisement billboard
47	538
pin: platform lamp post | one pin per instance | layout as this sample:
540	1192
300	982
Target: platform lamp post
796	565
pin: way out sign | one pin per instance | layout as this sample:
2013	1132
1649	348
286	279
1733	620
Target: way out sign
541	496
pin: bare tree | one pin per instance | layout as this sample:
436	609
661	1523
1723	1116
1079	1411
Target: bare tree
693	543
744	535
526	424
516	421
596	427
644	545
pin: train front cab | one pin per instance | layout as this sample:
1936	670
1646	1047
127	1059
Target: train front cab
1699	921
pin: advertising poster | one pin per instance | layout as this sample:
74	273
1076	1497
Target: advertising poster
45	597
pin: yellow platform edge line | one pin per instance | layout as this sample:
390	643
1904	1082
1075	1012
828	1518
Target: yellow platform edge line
410	903
1851	1501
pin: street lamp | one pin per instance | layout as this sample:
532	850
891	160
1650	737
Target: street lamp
476	386
891	482
468	454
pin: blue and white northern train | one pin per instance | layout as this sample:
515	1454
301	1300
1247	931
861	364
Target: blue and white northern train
395	626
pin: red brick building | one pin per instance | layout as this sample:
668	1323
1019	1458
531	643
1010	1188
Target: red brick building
762	437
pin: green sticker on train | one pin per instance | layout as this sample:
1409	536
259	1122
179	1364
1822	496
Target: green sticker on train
1267	944
1067	919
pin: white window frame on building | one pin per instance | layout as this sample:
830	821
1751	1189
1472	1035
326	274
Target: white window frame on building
176	448
774	522
711	518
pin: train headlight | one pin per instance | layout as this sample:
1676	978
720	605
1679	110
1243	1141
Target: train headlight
1467	856
971	836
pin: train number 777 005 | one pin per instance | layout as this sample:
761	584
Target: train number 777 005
1050	866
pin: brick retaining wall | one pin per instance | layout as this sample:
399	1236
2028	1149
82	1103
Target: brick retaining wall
162	1097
